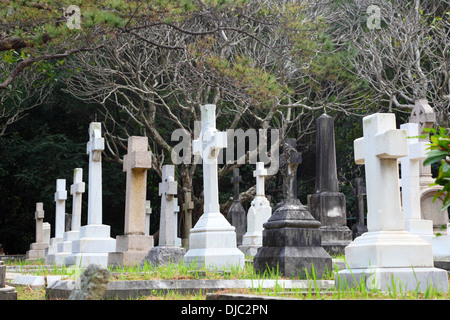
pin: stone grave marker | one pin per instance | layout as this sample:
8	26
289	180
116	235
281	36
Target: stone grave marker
6	292
212	241
176	210
60	214
328	205
387	254
76	190
236	212
37	249
188	206
167	250
359	191
148	212
132	247
291	236
258	213
94	241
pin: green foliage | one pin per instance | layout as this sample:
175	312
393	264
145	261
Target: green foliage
440	153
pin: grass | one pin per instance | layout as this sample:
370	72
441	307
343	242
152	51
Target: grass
181	271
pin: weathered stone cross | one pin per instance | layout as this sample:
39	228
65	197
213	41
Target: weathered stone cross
135	164
292	159
235	181
167	191
60	199
188	206
39	216
379	150
94	148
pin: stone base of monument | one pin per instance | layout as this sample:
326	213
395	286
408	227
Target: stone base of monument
441	251
212	244
65	247
8	293
292	243
250	244
51	250
384	256
37	251
160	256
93	246
130	250
335	238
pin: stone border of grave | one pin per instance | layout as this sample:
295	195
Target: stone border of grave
61	289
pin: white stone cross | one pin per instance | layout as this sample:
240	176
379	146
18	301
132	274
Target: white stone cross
60	199
260	173
95	146
148	212
208	146
76	190
379	150
39	216
410	181
135	164
167	191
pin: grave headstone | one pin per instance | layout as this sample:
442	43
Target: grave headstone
46	230
291	236
188	206
410	184
6	292
167	250
212	241
423	114
236	212
132	247
258	213
148	212
359	191
328	205
387	254
94	242
176	210
76	190
37	249
60	214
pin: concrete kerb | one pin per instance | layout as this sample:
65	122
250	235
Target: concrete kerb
61	289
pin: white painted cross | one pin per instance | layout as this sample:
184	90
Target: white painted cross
95	146
208	146
39	216
76	190
260	173
379	150
135	164
148	212
410	169
60	199
167	191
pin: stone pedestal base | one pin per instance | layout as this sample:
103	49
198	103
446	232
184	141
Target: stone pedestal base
65	247
8	293
130	250
292	243
406	279
37	251
51	250
441	247
212	244
250	245
335	238
163	255
93	246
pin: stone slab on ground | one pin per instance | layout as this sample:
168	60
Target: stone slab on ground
34	281
233	296
135	288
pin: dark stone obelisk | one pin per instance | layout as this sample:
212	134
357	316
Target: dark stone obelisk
291	236
328	204
236	214
359	191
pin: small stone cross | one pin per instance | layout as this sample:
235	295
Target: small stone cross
359	192
39	216
188	206
235	181
148	212
260	173
167	191
291	158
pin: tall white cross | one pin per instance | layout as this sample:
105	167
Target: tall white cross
208	146
379	150
95	146
260	173
135	164
60	199
167	191
76	190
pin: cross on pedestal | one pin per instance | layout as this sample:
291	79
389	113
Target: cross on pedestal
188	206
167	191
148	212
135	164
60	199
212	240
76	190
259	174
410	182
39	216
291	158
94	148
235	181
